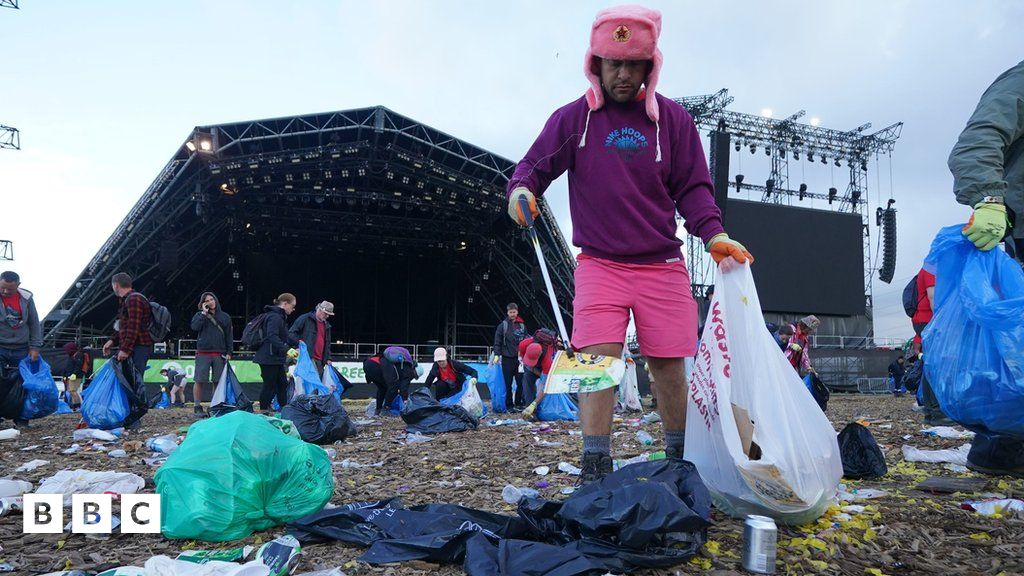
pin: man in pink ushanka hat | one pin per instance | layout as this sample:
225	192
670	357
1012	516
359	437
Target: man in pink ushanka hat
634	159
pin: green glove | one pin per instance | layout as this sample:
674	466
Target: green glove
987	225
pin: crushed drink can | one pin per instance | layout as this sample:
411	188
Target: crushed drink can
759	543
10	504
281	555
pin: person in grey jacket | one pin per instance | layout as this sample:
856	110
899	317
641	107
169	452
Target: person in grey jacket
507	336
272	355
987	163
21	334
214	345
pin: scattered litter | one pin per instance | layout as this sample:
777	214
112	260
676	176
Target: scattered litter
546	443
644	438
513	495
163	444
416	438
31	465
119	453
568	490
226	555
5	567
567	468
956	468
347	463
366	422
93	434
509	422
155	461
947	432
9	434
542	484
541	470
996	508
953	456
68	482
281	555
30	448
13	487
651	418
858	494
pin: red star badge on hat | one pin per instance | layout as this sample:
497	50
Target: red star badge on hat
621	34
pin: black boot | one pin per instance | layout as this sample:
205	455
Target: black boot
594	466
997	455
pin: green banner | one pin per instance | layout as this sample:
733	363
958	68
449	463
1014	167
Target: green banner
246	370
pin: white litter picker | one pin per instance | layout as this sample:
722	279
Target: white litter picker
571	372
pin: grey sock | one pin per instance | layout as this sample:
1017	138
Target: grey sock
675	439
598	444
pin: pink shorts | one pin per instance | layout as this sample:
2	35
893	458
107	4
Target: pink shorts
658	294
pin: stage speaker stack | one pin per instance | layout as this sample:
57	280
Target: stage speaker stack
888	267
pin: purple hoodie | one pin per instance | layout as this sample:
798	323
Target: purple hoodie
623	203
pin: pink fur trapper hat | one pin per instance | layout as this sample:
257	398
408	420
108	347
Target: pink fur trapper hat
625	33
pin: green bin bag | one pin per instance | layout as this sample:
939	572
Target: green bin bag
238	474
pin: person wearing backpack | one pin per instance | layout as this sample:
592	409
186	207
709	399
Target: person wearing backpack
507	336
134	317
272	354
214	345
538	356
134	339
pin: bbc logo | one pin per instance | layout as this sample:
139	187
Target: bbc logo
91	513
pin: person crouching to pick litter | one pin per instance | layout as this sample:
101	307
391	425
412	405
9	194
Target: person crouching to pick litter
449	375
635	159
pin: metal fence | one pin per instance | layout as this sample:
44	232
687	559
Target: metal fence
186	348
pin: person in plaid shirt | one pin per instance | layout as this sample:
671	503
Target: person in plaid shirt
133	319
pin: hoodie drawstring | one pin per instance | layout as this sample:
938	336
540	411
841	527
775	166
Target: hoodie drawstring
583	138
657	141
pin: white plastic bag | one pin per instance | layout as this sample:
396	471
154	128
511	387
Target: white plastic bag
629	390
68	482
471	400
951	455
743	392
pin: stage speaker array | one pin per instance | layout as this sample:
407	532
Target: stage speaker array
888	222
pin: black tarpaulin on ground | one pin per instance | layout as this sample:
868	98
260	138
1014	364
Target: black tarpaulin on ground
319	419
424	415
862	458
647	515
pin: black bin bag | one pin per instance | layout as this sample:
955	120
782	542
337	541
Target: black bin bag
319	419
862	458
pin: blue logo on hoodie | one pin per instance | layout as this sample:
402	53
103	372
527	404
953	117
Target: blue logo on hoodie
626	142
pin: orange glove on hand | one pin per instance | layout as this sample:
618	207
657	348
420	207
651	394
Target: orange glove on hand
721	247
515	212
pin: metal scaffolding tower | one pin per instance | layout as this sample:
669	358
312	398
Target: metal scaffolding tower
787	139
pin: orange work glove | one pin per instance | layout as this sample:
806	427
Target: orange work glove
515	212
721	247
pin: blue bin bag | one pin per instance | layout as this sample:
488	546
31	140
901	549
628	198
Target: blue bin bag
104	402
496	384
312	383
165	400
555	406
40	391
62	407
974	345
454	398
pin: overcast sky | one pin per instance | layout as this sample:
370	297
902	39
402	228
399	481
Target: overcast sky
104	92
